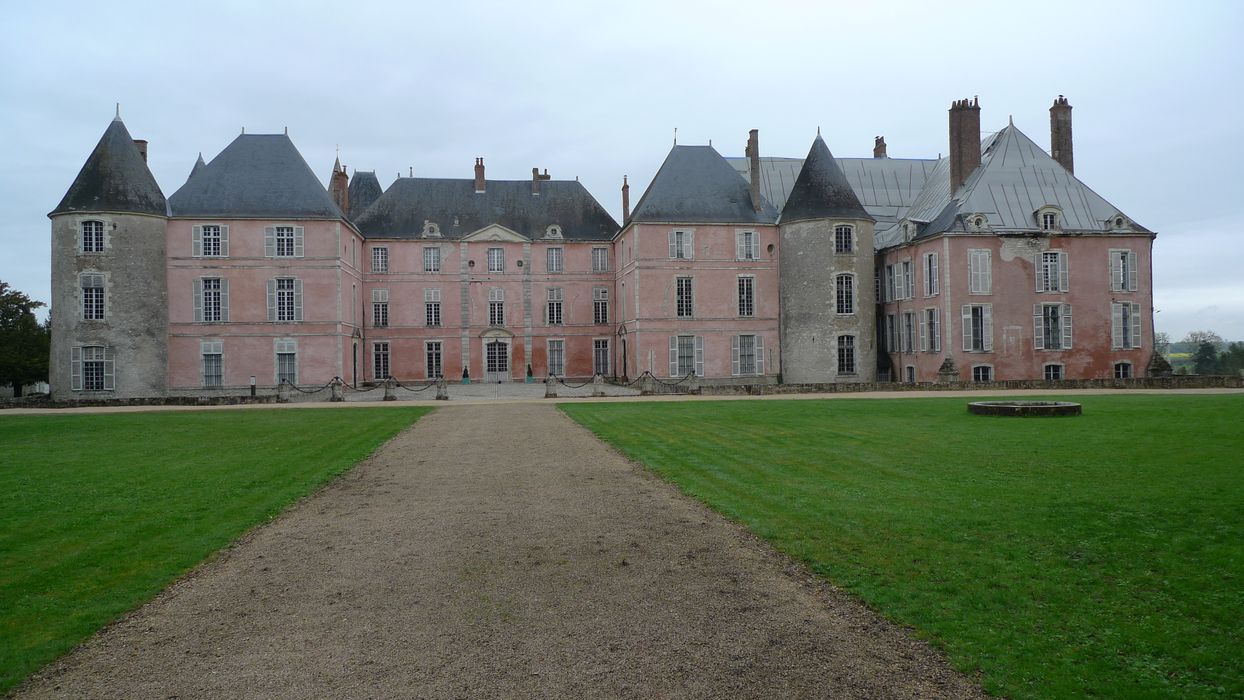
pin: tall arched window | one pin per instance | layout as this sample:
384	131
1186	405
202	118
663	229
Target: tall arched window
844	286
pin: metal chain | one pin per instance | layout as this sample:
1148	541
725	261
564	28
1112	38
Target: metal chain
413	391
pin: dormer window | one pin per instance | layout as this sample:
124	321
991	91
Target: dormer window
553	231
1050	218
431	230
977	222
1119	222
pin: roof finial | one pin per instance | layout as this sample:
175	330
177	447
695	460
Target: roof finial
118	117
287	131
675	136
818	131
710	143
1010	120
243	130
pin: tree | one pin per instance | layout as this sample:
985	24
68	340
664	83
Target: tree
1205	359
1195	338
1162	343
1231	360
24	343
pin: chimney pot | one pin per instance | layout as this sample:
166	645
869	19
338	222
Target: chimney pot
142	148
479	175
879	147
965	141
626	201
1060	133
753	160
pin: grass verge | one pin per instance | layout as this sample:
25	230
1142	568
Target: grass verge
1100	555
100	512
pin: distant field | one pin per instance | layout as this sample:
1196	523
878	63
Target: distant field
1057	557
98	513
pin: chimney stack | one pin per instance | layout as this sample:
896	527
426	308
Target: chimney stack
965	141
626	201
1060	133
753	160
536	177
339	188
879	147
142	144
479	176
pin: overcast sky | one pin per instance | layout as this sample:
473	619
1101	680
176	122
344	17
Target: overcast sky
595	90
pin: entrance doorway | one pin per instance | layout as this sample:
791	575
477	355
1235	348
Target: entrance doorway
496	360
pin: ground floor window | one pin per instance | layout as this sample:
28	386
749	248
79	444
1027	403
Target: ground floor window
287	361
213	363
911	374
686	355
380	360
432	353
92	368
600	356
748	355
982	373
1053	373
846	354
1122	370
557	358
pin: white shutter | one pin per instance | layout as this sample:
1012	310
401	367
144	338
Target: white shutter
935	331
987	265
690	247
1038	327
1116	326
110	380
75	368
1131	271
734	355
1066	320
967	327
224	300
224	241
297	300
760	354
1040	272
924	337
1064	282
1135	325
269	241
196	241
673	244
271	300
673	356
197	293
297	241
936	275
987	324
699	356
1116	270
740	251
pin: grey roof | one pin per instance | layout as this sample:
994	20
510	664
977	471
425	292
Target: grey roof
198	165
364	189
455	207
256	176
696	185
821	190
114	178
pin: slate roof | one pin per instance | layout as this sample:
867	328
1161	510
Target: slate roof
696	185
821	190
198	165
459	211
259	176
364	189
114	178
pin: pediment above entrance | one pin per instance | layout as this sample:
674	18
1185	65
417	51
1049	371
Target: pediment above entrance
496	333
496	232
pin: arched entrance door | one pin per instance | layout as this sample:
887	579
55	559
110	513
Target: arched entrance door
496	355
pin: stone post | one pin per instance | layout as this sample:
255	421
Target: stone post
550	387
337	394
598	385
442	389
388	390
646	384
947	373
282	392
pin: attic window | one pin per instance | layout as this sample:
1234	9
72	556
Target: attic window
979	222
431	230
553	231
1120	222
1050	218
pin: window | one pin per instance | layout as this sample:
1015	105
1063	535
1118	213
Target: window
931	331
747	296
286	361
432	259
910	373
380	360
283	241
982	373
844	286
980	276
211	300
432	359
1124	325
1122	370
496	307
91	368
213	362
380	307
931	280
978	327
285	299
600	305
908	331
554	259
1051	326
496	260
889	283
432	307
844	239
846	354
600	356
683	298
891	333
1049	221
92	296
557	358
1122	271
92	236
600	259
747	245
553	314
686	355
681	245
380	259
748	355
1052	272
1053	373
214	241
906	280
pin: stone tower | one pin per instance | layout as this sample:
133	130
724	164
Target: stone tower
828	326
109	282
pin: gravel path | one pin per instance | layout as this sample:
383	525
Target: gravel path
500	551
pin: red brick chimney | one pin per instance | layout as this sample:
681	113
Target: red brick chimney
879	147
753	161
536	177
1060	133
142	144
965	141
339	187
626	201
479	175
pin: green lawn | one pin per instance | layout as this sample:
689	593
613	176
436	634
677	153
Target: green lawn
1101	555
98	513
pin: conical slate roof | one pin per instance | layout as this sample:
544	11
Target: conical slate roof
115	178
696	185
198	164
257	176
364	189
822	190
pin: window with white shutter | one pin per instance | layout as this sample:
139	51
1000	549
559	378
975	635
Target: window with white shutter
980	274
977	327
1052	272
286	360
1123	271
931	280
682	246
212	362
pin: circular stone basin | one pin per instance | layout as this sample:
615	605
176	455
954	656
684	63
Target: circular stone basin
1024	408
